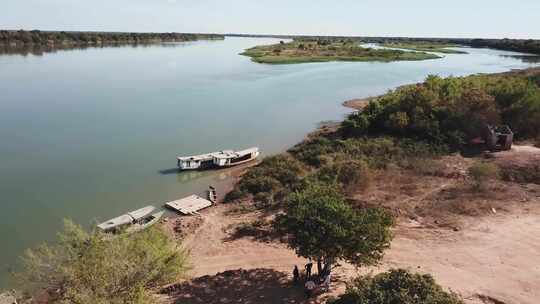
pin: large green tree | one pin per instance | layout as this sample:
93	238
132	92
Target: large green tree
88	268
322	226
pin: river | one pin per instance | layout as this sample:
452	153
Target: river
90	134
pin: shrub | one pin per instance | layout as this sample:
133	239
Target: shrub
425	166
355	176
234	195
350	175
275	176
254	228
263	198
255	182
482	172
396	286
87	268
311	152
529	173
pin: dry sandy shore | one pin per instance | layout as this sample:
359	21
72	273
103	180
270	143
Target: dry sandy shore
493	260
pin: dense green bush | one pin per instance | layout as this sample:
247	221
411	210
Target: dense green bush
88	268
452	110
396	287
270	180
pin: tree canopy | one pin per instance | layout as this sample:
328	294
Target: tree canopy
321	225
88	268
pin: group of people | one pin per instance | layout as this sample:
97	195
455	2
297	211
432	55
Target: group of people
313	283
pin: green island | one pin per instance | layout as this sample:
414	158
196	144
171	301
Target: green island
324	50
425	47
531	46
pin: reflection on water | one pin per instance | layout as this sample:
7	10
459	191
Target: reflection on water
188	176
40	50
524	58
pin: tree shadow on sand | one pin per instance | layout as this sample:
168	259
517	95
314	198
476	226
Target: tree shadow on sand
256	286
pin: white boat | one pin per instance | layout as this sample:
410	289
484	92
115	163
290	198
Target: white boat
226	158
132	221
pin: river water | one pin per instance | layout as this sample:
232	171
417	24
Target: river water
91	134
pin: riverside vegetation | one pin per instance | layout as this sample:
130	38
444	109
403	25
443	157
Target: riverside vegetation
517	45
323	50
51	38
87	268
311	182
416	121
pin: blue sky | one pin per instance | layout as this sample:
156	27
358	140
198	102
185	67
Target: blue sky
456	18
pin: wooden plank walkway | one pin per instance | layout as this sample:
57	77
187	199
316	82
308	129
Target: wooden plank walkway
189	205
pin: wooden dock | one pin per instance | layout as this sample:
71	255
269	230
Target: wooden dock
189	205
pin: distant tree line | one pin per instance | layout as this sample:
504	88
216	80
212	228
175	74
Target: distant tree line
517	45
36	37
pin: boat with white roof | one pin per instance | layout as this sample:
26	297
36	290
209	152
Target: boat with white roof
221	159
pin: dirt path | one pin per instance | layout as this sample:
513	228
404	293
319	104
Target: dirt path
495	257
213	250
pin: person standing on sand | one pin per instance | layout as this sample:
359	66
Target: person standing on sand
296	275
308	270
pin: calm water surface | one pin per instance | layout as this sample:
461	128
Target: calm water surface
90	134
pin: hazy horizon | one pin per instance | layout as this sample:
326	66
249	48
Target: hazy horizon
415	18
